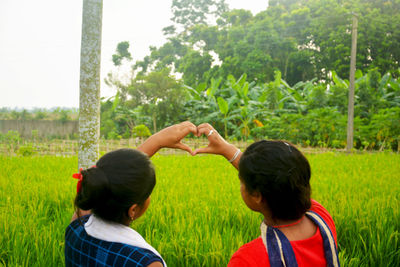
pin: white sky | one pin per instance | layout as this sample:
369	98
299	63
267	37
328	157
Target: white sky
40	45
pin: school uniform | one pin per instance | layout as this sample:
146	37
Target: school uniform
91	241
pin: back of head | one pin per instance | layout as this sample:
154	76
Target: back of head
281	173
120	179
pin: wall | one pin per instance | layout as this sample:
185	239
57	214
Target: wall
44	128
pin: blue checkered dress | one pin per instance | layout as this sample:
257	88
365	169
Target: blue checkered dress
84	250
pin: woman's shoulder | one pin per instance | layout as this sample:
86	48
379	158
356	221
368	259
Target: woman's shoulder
76	226
79	246
321	211
250	254
80	220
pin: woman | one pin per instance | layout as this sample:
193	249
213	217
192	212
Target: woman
111	195
274	180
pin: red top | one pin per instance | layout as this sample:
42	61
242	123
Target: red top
308	252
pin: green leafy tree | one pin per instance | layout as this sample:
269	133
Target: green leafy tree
193	66
160	95
121	53
193	12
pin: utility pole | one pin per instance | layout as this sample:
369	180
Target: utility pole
89	97
350	113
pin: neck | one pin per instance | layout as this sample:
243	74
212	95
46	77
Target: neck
285	224
281	223
277	223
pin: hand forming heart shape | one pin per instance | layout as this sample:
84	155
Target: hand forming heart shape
172	136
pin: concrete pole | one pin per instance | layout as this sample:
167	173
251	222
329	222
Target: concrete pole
350	113
89	98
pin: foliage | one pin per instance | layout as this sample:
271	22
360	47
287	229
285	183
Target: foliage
302	39
141	131
383	132
275	74
323	127
187	13
64	116
60	114
121	53
26	151
197	216
11	139
312	113
154	99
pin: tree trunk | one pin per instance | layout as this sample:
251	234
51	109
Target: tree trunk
286	67
89	98
154	123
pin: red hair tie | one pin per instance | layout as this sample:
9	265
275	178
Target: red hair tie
79	176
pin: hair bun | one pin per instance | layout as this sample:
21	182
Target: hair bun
122	178
94	188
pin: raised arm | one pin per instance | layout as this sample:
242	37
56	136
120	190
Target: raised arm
217	145
170	137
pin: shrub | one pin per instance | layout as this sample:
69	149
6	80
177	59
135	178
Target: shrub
141	131
382	132
113	135
26	151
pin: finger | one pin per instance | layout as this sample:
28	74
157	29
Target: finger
184	147
188	127
188	123
192	128
203	126
206	131
203	130
202	150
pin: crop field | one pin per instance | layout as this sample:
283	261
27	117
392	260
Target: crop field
197	216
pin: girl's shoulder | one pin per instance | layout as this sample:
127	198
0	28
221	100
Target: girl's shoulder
321	211
81	248
250	254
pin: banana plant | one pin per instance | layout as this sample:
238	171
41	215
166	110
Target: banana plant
243	107
280	97
196	93
224	108
202	104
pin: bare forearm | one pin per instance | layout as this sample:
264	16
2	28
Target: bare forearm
150	146
229	152
170	137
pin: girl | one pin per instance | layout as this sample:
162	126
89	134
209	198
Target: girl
274	181
110	196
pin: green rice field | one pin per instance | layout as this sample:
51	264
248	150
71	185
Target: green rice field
196	216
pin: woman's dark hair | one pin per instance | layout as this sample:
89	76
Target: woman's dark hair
120	179
281	173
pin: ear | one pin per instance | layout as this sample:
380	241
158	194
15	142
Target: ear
133	211
257	197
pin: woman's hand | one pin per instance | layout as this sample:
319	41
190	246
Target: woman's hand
170	137
217	145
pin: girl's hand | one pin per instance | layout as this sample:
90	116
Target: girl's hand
217	145
169	137
172	136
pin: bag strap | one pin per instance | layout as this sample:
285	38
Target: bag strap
330	247
280	251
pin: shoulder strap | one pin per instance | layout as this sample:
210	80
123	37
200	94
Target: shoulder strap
330	248
280	251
